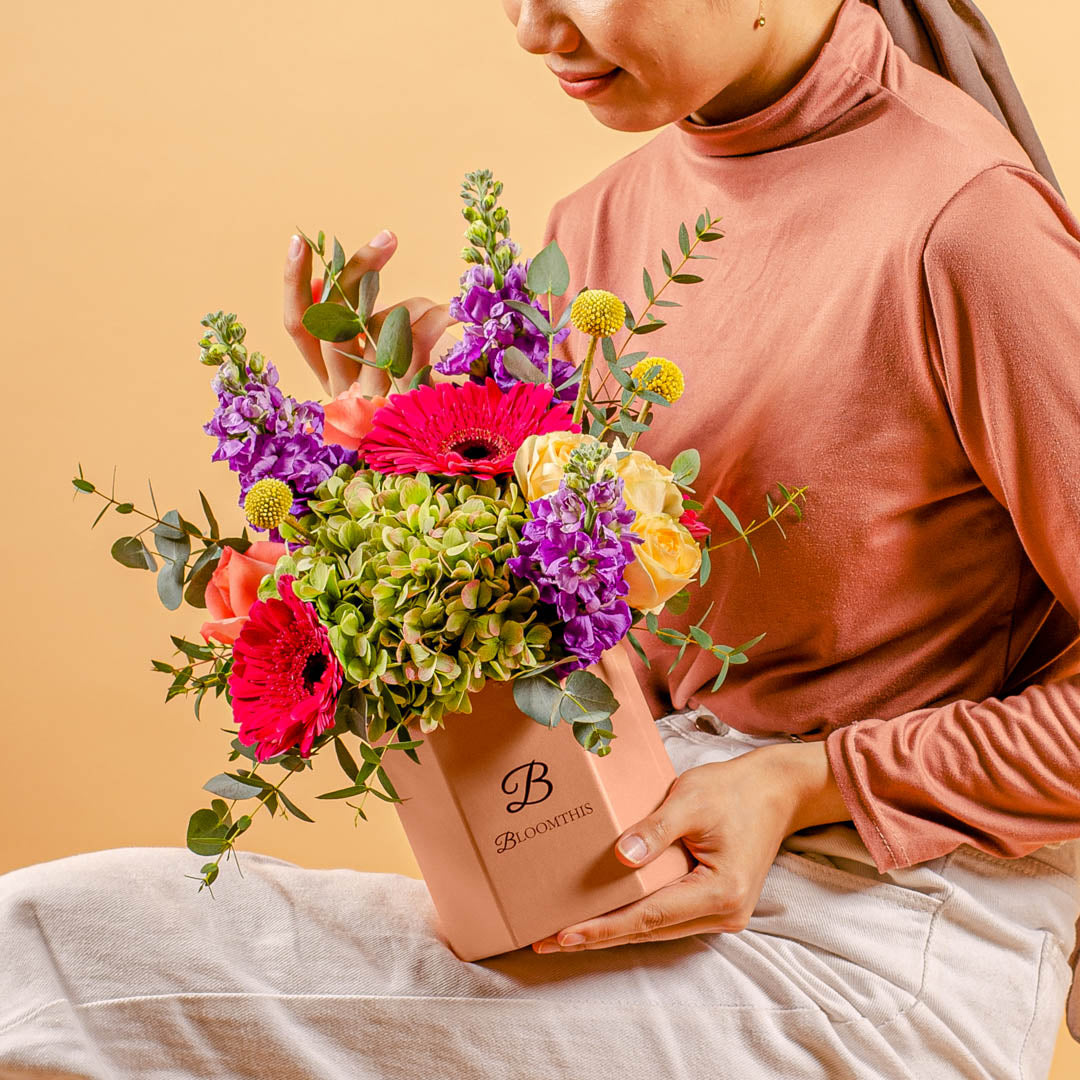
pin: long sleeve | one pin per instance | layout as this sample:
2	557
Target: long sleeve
1001	287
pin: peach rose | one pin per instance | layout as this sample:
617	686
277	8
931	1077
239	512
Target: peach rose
664	563
348	416
648	487
233	588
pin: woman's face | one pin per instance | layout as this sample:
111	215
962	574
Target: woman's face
675	57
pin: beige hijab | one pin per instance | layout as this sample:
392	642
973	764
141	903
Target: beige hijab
953	39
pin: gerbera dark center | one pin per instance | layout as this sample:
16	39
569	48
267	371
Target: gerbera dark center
314	667
476	444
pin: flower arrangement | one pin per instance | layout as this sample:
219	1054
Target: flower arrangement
491	519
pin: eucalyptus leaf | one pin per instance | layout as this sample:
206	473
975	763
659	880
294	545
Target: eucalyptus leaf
637	647
394	349
686	467
548	271
369	290
346	761
584	695
706	566
205	833
192	650
535	316
421	378
131	551
571	379
210	519
521	367
331	322
170	584
169	531
678	604
228	788
293	808
343	793
539	698
199	576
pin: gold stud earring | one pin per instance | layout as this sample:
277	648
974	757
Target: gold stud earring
761	18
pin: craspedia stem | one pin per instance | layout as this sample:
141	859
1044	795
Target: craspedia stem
289	520
583	386
642	418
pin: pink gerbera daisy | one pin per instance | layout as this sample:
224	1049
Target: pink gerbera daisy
455	428
285	677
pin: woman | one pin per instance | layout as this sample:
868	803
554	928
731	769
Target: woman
888	864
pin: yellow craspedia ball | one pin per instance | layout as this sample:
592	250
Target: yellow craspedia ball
267	503
597	312
668	382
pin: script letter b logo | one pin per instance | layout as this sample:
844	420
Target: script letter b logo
535	773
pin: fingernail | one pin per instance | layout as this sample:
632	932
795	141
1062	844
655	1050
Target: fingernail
294	246
381	239
633	847
571	939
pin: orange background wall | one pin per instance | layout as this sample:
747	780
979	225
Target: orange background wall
157	158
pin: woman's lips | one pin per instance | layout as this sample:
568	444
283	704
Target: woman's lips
586	88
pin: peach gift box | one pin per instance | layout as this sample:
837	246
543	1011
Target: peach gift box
514	824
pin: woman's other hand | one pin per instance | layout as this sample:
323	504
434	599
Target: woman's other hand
732	816
335	370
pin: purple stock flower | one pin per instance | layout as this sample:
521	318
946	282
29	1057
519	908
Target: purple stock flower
491	327
575	550
261	432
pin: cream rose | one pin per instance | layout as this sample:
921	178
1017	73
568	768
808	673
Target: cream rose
648	487
667	559
540	460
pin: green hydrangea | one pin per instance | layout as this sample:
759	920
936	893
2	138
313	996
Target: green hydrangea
409	576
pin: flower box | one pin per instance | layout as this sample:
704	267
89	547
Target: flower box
514	824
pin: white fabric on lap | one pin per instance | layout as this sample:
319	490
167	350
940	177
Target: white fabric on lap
114	966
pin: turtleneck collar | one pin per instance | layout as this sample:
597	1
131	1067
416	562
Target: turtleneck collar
858	45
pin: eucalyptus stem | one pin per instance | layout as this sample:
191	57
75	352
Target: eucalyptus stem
789	501
229	844
670	278
551	344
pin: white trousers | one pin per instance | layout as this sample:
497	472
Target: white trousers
113	965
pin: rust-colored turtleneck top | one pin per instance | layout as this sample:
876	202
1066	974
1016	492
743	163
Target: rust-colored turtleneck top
892	318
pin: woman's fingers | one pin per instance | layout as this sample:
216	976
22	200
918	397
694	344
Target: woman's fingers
705	924
429	322
329	360
297	301
430	337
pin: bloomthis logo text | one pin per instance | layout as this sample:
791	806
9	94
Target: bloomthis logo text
530	783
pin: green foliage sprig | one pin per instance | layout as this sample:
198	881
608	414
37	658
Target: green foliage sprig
177	581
